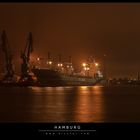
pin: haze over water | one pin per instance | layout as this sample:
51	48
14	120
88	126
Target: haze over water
70	104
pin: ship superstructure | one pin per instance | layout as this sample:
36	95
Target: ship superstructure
63	73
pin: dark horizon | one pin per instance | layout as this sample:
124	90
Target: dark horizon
79	30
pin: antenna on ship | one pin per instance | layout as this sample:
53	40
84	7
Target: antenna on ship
49	56
70	66
60	58
60	64
70	59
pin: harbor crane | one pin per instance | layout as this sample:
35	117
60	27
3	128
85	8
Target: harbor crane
26	74
9	75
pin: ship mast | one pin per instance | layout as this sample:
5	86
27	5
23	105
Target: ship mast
60	64
70	66
49	61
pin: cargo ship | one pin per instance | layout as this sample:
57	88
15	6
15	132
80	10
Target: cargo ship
47	77
64	74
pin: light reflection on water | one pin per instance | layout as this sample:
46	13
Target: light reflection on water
70	104
83	104
89	107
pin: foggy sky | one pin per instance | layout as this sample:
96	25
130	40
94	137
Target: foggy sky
79	30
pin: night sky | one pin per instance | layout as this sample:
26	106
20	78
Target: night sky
79	30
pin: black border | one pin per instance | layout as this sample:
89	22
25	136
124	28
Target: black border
69	1
102	129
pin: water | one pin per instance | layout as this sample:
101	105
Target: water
70	104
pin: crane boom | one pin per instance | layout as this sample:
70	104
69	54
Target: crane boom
8	58
29	47
26	74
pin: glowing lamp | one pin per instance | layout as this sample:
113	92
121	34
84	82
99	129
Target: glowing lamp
50	62
96	64
84	64
85	68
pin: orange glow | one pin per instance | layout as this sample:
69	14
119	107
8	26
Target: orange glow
83	87
59	65
50	62
38	59
84	64
96	64
90	107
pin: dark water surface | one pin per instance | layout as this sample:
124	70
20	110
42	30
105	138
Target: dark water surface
70	104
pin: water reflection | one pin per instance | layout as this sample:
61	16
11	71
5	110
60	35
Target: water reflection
90	105
71	104
53	104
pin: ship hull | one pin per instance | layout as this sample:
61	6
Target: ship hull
48	77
